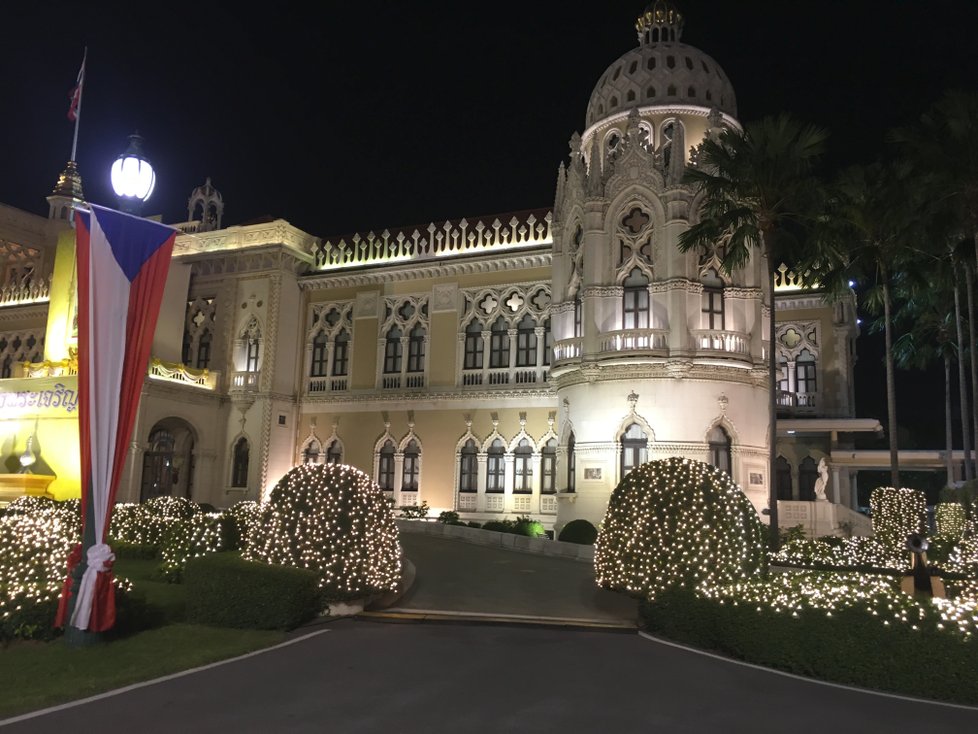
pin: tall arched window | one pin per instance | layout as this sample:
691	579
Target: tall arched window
526	342
393	352
412	467
239	463
474	345
385	467
783	479
523	467
807	476
251	355
204	350
416	349
341	353
499	344
571	464
320	356
495	467
548	342
713	314
334	453
468	467
634	448
312	452
720	449
548	467
805	373
635	301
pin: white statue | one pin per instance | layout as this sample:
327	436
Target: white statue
822	483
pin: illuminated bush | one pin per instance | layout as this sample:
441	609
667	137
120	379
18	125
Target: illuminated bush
244	518
172	508
897	513
677	521
331	519
135	524
191	538
964	557
849	553
951	520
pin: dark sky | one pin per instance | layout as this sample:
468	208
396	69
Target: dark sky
352	116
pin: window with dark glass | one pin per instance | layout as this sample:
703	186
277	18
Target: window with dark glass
720	449
523	467
635	301
783	374
320	353
239	463
713	301
385	467
341	353
526	342
311	454
251	356
571	465
334	453
807	476
393	351
578	325
416	349
499	344
548	342
411	468
474	346
634	448
805	372
204	350
185	352
495	467
783	479
468	467
548	467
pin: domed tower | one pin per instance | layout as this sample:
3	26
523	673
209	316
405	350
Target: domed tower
657	352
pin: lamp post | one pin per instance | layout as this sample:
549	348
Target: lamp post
133	177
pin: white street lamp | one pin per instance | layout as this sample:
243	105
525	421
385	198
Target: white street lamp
133	178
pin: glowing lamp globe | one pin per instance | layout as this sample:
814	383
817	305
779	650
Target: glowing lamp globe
133	178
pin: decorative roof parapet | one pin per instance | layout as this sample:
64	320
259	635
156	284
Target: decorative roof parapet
25	292
524	230
786	280
277	232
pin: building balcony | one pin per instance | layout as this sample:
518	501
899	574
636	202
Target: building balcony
183	375
567	349
796	403
506	376
638	341
319	385
243	382
721	343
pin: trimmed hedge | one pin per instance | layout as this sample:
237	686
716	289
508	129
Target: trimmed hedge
578	531
849	647
224	590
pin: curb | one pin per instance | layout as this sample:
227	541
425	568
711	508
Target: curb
437	615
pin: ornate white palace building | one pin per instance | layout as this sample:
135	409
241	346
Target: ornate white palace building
517	364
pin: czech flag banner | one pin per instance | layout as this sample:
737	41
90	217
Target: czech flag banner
123	263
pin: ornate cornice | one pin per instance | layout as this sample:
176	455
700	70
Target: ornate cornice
794	303
665	370
546	396
224	263
24	313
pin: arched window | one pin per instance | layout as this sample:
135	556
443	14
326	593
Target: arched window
548	342
713	314
341	353
499	344
635	301
385	467
468	467
548	467
416	349
320	354
523	467
571	464
578	323
251	355
634	448
667	135
495	467
412	467
526	342
805	372
204	350
783	479
393	352
474	345
312	452
334	453
720	449
239	463
807	476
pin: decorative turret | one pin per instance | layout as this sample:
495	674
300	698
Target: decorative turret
661	21
206	205
66	194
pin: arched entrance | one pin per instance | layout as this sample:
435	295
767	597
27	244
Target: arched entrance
168	463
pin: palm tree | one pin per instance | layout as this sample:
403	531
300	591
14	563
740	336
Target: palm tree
758	195
873	217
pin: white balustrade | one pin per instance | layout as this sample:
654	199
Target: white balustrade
634	340
719	340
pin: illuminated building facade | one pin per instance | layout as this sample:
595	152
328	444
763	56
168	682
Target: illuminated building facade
495	366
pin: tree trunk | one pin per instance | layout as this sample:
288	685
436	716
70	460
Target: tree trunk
972	355
772	436
948	431
962	386
890	385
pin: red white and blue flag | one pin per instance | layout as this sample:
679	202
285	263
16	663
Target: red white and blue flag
123	263
76	92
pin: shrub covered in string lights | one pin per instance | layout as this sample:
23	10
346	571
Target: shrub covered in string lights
35	539
677	522
193	537
897	513
243	517
846	553
951	520
135	524
331	519
172	508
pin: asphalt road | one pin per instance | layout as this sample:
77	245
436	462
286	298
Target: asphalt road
361	676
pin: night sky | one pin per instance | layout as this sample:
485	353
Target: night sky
346	117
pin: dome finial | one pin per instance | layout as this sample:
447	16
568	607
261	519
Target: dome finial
661	21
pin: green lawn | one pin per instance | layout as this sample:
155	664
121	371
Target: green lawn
38	674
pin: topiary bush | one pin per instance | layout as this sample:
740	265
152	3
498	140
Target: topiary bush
677	522
897	513
135	524
529	527
578	531
193	537
331	519
227	591
172	508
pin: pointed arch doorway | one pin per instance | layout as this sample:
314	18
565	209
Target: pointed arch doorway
168	462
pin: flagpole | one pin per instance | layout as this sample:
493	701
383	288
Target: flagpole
81	90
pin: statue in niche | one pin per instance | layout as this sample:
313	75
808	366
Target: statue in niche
822	483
